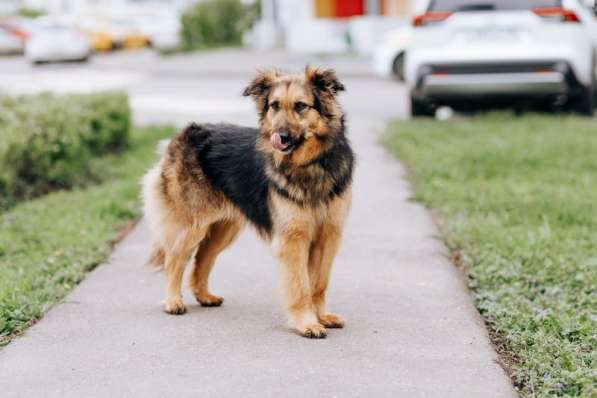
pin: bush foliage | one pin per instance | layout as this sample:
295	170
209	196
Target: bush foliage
47	244
47	141
215	23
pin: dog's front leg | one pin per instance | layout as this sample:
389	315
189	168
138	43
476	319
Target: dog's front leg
293	250
321	258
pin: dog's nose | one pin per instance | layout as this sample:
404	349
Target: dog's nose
285	137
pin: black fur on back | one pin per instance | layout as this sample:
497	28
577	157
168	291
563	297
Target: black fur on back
228	156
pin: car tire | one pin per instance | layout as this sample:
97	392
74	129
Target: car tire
398	67
420	108
585	102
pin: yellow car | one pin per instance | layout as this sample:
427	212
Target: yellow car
101	40
134	39
127	34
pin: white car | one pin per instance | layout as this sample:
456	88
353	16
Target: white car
55	40
471	52
163	31
389	55
10	43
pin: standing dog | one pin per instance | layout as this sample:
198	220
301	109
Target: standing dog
290	179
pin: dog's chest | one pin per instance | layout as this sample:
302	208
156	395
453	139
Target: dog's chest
307	187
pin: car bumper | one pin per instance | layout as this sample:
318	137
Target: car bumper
495	84
57	54
542	79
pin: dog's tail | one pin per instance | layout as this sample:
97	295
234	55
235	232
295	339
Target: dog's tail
157	258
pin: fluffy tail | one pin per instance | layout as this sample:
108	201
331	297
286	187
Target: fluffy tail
151	206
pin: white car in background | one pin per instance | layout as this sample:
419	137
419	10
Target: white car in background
10	43
389	55
471	52
13	34
163	31
54	40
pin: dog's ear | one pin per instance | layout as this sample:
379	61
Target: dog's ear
260	87
261	84
324	80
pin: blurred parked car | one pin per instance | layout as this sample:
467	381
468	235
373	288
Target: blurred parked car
389	55
13	33
10	42
163	32
101	40
126	33
55	40
97	28
470	52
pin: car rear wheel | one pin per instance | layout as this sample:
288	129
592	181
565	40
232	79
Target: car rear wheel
586	101
584	104
420	108
398	67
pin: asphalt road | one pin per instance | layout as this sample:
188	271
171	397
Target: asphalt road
411	331
204	86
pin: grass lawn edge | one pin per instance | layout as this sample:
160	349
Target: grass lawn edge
49	244
525	246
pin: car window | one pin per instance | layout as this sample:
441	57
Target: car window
481	5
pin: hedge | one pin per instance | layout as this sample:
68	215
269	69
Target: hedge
213	23
47	141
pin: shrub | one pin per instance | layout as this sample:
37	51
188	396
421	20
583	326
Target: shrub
29	12
109	119
217	23
47	141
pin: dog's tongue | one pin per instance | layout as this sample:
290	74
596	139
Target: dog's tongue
277	142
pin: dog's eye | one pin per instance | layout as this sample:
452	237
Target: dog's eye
299	106
275	106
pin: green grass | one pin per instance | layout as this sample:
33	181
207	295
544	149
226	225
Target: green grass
516	201
47	244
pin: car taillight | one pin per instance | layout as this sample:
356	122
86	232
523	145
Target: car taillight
431	17
559	13
21	34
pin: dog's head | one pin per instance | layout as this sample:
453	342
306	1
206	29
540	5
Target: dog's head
299	114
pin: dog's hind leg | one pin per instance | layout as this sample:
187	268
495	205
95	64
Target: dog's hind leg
220	236
158	257
177	256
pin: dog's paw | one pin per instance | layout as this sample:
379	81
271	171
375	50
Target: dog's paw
209	300
174	306
332	321
313	331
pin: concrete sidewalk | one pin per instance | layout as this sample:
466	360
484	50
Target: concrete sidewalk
412	330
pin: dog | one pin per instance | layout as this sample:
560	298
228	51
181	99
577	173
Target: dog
290	178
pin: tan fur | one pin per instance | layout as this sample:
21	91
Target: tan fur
220	236
187	215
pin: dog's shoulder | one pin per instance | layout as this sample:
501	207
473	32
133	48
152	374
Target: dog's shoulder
217	137
228	157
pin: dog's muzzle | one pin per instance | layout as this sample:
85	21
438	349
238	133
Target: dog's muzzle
284	142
